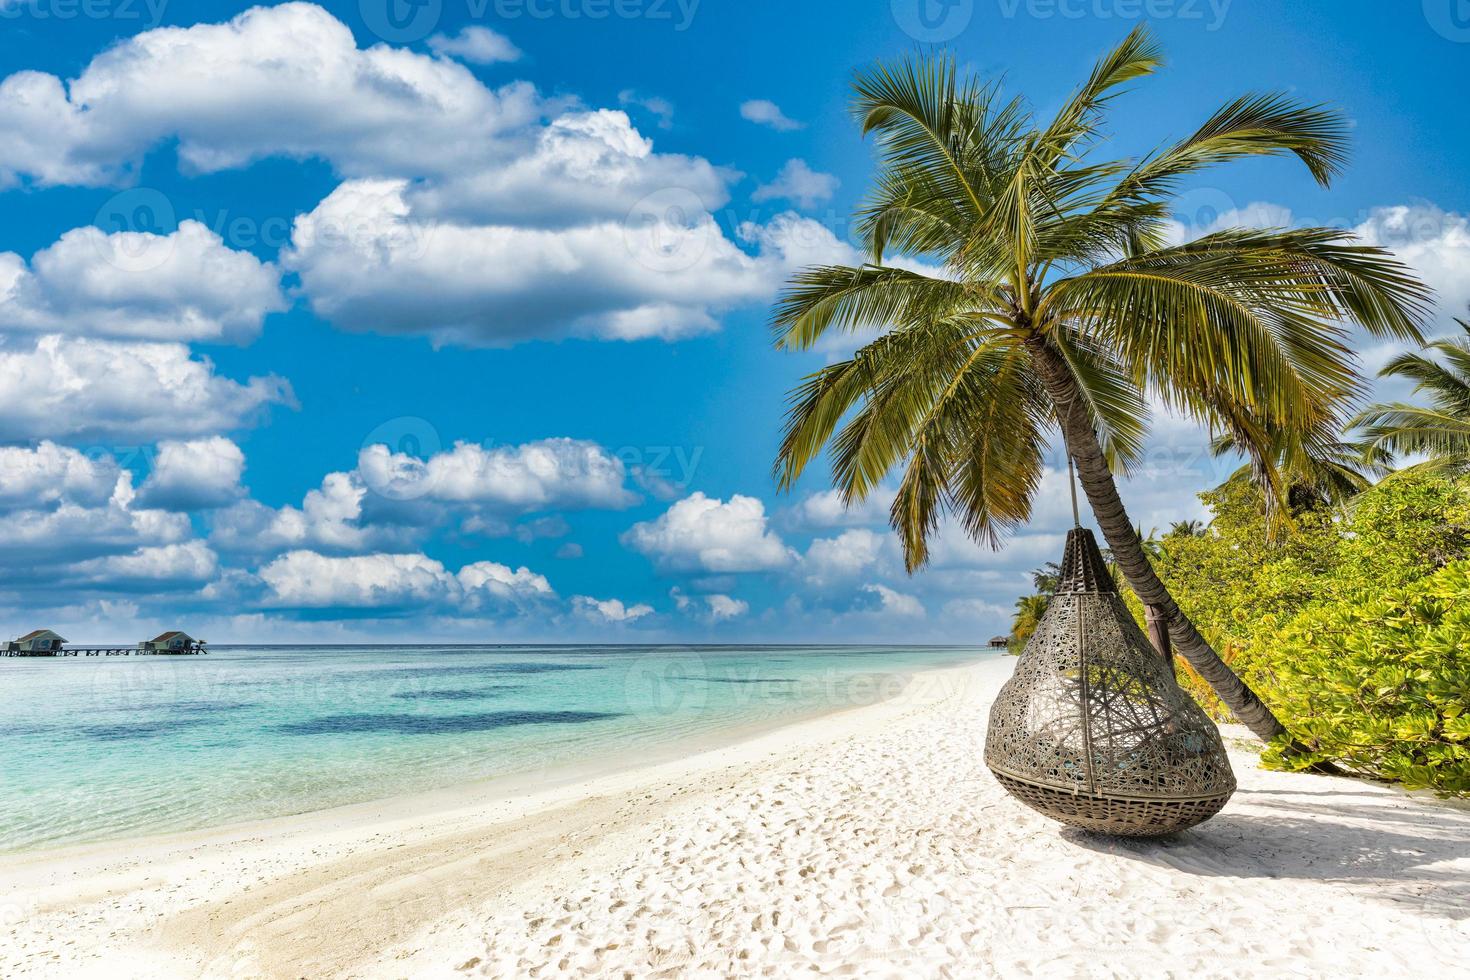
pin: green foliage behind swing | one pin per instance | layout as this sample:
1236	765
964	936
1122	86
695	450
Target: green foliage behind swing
1382	686
1354	626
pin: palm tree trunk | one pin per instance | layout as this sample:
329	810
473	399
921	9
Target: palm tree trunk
1156	624
1112	519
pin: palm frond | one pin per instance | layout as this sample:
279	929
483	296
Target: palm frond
1259	317
846	298
1136	56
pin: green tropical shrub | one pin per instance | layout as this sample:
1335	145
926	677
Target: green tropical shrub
1381	687
1349	626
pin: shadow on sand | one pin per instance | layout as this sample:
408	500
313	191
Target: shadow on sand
1375	843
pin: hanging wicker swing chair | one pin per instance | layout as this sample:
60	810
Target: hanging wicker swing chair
1092	729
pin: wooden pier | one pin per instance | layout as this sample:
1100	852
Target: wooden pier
108	652
49	643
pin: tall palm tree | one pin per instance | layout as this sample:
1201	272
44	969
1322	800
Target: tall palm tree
1440	431
1053	299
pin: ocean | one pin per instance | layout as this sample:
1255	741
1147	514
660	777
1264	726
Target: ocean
105	748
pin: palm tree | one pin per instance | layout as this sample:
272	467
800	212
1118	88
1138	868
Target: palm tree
1441	431
1186	529
1307	472
1029	610
1153	550
1053	299
1047	578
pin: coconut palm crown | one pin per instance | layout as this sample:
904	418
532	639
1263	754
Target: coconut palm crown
1043	292
1439	431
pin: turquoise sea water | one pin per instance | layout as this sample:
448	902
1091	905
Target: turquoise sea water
107	748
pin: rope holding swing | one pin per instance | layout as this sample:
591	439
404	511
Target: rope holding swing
1072	482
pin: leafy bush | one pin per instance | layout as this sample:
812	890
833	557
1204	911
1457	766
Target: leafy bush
1406	526
1380	687
1354	628
1242	590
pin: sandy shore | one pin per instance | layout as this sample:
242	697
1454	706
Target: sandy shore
867	843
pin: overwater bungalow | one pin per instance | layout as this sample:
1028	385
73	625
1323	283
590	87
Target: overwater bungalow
37	643
174	642
999	642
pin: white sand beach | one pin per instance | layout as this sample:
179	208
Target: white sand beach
872	842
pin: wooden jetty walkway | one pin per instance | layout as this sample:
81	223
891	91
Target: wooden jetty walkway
49	643
107	652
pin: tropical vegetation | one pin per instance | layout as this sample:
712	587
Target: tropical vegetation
1354	627
1042	292
1439	431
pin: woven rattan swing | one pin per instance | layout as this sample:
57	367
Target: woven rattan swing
1092	729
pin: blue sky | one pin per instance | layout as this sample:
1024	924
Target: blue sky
447	320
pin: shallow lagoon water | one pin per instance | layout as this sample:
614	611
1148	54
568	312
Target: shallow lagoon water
120	747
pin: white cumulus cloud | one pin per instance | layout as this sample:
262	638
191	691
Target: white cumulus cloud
196	474
68	532
1431	240
541	475
48	474
843	558
477	45
722	607
487	582
73	388
895	603
585	168
701	533
664	269
799	183
287	80
311	580
609	610
714	607
330	518
826	509
191	562
186	285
